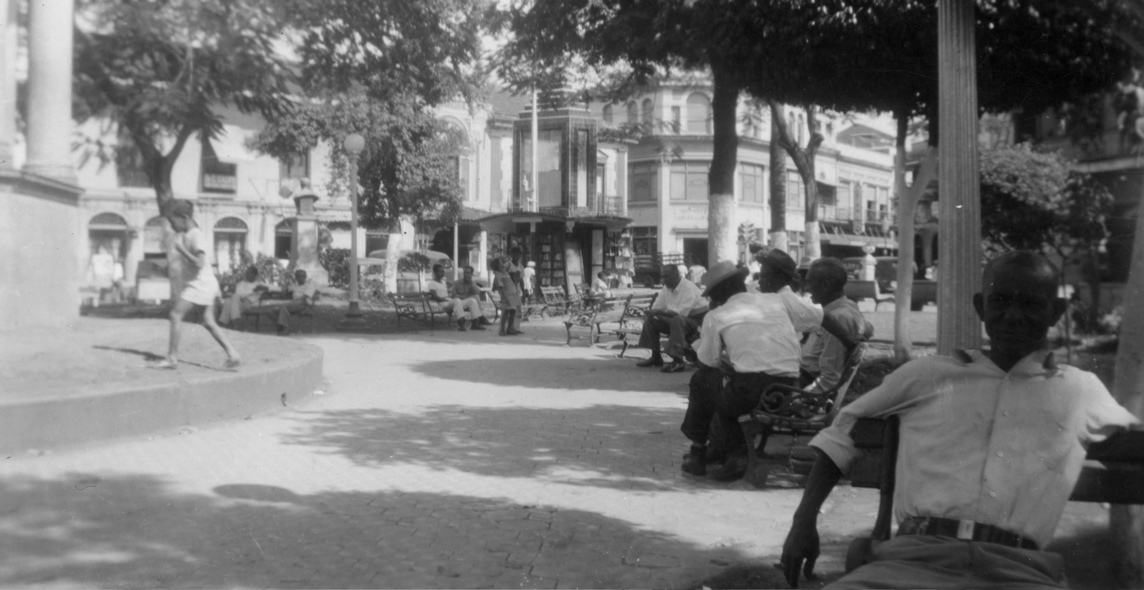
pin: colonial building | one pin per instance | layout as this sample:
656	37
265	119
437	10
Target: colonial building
668	167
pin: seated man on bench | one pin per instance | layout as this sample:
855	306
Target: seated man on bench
991	445
464	304
677	312
823	355
302	295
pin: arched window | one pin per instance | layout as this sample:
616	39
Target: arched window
633	113
698	115
608	113
283	239
648	109
108	232
230	243
462	162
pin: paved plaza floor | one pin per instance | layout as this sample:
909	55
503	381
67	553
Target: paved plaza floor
431	459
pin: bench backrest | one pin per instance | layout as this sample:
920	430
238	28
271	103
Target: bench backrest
1119	479
635	311
859	290
553	295
611	309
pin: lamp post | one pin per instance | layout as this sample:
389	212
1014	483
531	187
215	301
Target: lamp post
354	144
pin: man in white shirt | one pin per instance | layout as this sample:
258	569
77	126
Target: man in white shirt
991	445
676	312
747	343
465	310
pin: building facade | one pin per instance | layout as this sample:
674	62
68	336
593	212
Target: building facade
668	168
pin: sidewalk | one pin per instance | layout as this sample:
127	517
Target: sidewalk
434	459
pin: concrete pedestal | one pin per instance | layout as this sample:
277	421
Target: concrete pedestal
38	242
306	240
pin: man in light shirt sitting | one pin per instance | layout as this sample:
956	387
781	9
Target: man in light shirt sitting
464	309
991	445
676	312
823	355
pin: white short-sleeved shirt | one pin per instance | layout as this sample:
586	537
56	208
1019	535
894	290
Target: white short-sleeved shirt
438	288
195	241
753	333
981	444
684	299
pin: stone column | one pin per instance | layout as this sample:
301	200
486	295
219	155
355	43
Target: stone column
7	81
959	227
49	89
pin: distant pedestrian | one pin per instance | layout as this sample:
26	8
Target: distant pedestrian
528	278
509	295
200	292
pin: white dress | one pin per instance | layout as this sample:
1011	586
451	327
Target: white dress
203	288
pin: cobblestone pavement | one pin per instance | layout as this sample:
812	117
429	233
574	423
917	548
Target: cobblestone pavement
430	460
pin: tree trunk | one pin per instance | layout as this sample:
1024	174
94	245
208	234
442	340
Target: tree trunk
721	228
804	161
778	184
907	204
392	255
1127	522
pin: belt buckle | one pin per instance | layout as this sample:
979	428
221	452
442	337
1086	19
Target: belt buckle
965	529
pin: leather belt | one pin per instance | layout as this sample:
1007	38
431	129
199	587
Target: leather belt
966	530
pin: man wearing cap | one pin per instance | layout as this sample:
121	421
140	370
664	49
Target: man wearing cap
676	312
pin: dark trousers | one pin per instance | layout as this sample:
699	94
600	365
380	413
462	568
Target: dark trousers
724	397
680	330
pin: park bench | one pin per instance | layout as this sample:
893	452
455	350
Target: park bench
555	299
631	323
789	410
1118	479
416	306
268	303
859	290
605	311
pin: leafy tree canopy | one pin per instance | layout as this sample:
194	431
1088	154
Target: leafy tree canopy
408	168
422	50
1030	200
160	70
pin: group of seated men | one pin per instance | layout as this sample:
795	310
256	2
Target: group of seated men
248	298
752	338
991	442
463	302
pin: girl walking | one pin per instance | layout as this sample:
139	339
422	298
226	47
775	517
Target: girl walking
200	292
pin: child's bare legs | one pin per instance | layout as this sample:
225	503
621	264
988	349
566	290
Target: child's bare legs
507	322
178	310
212	326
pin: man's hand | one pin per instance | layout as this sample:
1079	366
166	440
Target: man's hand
663	313
800	552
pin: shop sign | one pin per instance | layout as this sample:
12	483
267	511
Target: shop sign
690	216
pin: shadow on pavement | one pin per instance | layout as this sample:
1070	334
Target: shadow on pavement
607	446
88	530
576	373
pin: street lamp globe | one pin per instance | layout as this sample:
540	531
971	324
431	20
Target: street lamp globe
354	143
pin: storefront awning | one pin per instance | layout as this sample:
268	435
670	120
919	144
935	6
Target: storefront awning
505	223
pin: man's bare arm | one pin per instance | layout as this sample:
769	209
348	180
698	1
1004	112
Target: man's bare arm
801	546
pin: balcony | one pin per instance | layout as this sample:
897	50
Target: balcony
606	205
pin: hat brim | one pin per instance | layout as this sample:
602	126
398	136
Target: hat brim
739	272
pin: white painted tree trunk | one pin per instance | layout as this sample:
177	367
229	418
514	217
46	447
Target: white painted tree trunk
813	247
1127	522
392	255
780	240
907	205
721	229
